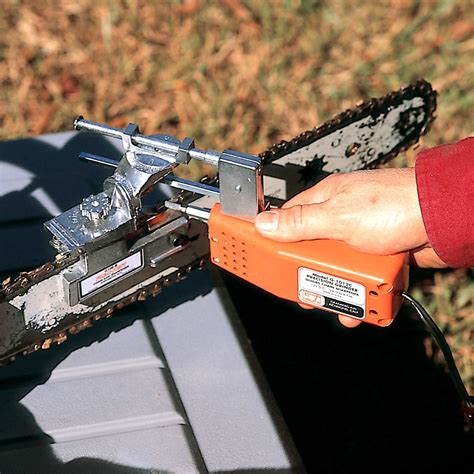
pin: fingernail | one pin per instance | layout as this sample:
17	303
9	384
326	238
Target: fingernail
267	221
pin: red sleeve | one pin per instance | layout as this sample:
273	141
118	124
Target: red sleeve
445	183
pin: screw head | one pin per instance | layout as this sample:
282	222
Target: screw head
95	207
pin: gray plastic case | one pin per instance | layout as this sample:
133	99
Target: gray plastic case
168	385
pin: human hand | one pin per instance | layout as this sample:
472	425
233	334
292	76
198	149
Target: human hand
373	211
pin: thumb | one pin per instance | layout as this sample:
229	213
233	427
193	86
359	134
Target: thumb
292	224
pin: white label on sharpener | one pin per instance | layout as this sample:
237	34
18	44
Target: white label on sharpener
331	293
111	274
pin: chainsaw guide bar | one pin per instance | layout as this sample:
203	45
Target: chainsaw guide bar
113	259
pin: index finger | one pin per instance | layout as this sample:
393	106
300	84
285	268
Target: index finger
318	193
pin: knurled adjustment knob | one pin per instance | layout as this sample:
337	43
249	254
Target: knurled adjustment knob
95	207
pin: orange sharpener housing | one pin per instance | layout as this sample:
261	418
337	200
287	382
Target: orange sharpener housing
325	274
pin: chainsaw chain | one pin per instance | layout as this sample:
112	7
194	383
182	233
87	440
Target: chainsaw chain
10	288
106	312
420	87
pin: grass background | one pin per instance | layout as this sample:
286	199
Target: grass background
243	74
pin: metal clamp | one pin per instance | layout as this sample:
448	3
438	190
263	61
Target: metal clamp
241	184
240	174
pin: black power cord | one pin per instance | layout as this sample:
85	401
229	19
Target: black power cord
437	335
